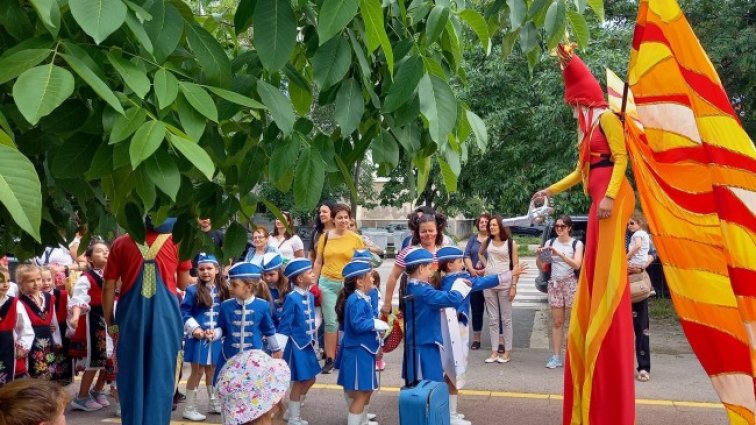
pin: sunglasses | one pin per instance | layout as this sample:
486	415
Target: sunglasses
561	226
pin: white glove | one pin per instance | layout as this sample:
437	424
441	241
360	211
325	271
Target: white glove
380	325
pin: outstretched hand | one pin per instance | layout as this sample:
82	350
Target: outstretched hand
541	194
519	269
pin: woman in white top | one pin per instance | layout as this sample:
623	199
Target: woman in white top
495	255
640	242
565	254
288	245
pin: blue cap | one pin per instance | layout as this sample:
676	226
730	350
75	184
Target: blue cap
244	270
362	255
207	258
271	261
164	227
418	256
356	268
296	266
449	253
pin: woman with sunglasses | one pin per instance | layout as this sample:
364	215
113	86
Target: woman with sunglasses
566	256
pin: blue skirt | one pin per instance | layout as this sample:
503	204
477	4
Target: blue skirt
429	364
357	370
303	363
201	351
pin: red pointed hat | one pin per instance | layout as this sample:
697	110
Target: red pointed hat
580	86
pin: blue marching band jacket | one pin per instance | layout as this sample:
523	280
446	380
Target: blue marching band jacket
297	320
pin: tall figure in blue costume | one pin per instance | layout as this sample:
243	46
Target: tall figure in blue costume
147	326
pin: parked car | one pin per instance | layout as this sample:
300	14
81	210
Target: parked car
397	227
579	228
534	230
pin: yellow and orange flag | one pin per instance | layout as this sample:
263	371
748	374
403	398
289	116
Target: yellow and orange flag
695	168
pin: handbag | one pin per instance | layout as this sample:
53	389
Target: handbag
640	286
395	334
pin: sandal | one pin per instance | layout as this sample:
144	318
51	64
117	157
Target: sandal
643	376
475	345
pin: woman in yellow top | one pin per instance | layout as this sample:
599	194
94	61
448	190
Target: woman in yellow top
598	384
335	248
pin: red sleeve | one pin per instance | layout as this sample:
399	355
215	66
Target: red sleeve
185	265
112	269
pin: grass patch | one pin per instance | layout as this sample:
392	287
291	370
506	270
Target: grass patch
661	309
522	244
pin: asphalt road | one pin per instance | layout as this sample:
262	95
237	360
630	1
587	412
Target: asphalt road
522	391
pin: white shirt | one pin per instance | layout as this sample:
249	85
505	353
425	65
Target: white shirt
80	297
641	256
288	247
58	255
559	268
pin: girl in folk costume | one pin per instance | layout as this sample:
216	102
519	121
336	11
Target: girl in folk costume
360	342
64	371
454	322
199	310
40	307
298	324
245	319
16	334
89	341
277	282
600	345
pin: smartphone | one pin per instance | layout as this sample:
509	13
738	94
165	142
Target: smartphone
545	256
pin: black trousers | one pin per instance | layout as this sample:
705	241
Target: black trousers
478	307
642	340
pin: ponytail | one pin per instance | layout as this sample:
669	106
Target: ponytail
350	285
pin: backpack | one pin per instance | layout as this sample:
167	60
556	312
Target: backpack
574	248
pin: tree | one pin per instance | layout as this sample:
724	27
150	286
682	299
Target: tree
114	108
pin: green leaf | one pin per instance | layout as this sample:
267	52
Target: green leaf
145	142
243	15
580	5
98	18
423	165
285	152
331	62
580	28
166	88
6	140
200	100
275	32
536	7
15	21
403	88
236	98
439	106
137	28
39	90
235	240
349	106
528	37
210	55
479	25
102	162
375	30
598	8
20	190
308	179
448	176
385	150
334	16
75	150
279	106
49	13
195	154
125	125
479	130
145	188
11	66
193	123
507	44
556	20
131	74
162	170
301	99
517	13
165	29
85	73
437	20
139	11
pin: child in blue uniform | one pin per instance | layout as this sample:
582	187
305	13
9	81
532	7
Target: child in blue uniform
454	323
199	310
360	341
244	320
298	324
428	303
278	284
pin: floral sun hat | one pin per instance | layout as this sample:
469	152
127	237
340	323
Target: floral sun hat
250	384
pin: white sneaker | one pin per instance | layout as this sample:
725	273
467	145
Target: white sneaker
100	397
214	406
297	421
86	404
371	416
456	420
457	415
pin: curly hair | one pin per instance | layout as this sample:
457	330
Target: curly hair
437	218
